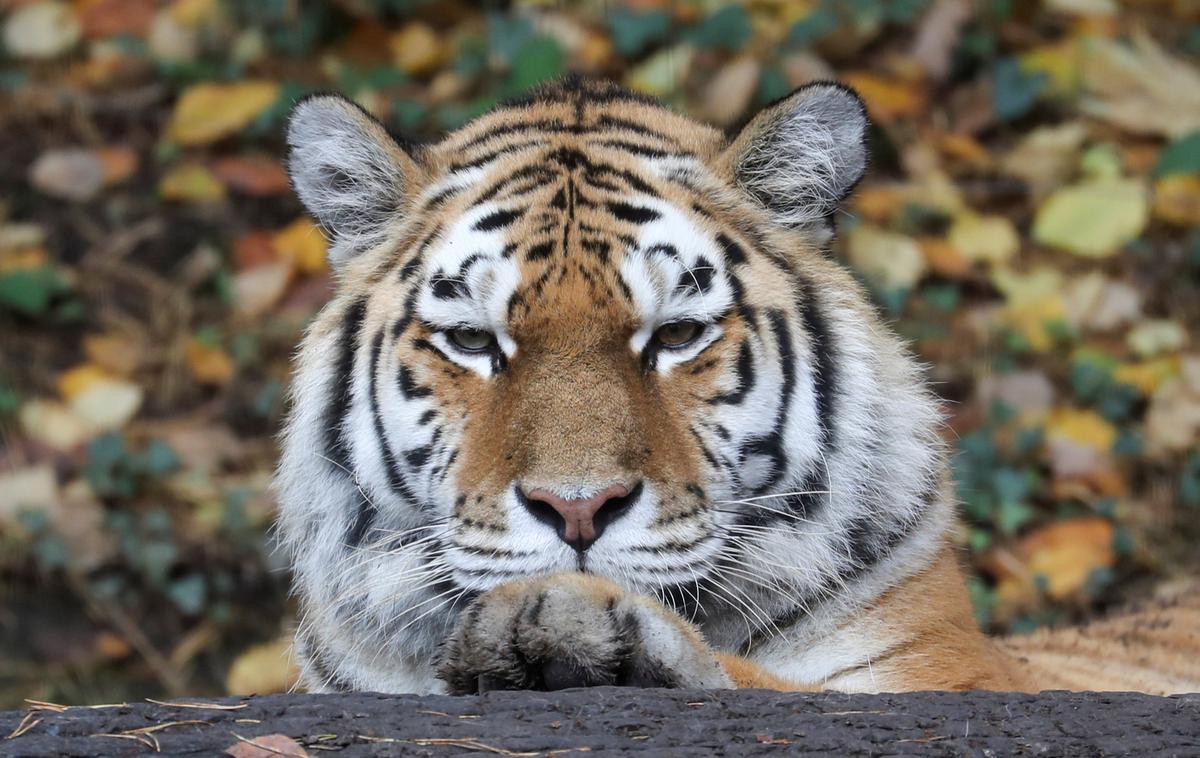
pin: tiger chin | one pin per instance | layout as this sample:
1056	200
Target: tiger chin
590	406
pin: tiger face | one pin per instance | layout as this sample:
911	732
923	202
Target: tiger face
584	333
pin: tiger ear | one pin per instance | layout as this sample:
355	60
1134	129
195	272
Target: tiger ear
348	172
801	156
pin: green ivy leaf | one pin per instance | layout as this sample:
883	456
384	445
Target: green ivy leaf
31	291
1180	157
812	28
536	62
728	28
1014	90
634	32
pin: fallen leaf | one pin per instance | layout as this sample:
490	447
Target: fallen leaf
70	173
1093	302
887	99
892	260
104	400
79	518
203	448
1084	427
254	248
1083	7
1030	393
171	40
944	259
209	364
192	183
1046	157
257	175
1177	199
991	239
119	163
267	746
1147	376
661	73
119	353
1173	418
109	18
1093	219
256	290
302	243
416	48
1067	552
1155	337
205	113
41	30
33	488
1140	88
263	669
730	90
54	424
938	35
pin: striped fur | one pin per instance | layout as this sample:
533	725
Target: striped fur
790	483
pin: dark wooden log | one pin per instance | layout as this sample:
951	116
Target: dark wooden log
608	720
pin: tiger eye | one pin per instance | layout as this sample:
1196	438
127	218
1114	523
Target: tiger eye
471	340
677	334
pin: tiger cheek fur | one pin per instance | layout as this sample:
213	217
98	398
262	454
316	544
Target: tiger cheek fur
585	334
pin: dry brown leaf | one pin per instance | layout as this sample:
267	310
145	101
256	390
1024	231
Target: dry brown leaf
267	746
1140	88
257	175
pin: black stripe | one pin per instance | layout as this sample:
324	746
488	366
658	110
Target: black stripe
745	378
498	220
342	388
632	213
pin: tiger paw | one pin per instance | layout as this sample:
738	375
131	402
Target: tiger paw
573	630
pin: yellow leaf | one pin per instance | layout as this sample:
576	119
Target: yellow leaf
80	378
984	238
416	48
263	669
1147	376
207	112
100	397
301	243
1081	426
1066	553
191	182
1060	62
1177	199
887	99
1093	219
209	364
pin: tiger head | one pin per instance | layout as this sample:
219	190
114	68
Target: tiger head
584	332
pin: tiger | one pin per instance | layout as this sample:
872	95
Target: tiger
592	404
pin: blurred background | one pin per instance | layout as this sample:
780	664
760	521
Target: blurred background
1029	222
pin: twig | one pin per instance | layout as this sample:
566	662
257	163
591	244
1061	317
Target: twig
203	706
25	725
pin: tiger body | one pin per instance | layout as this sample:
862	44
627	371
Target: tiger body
505	466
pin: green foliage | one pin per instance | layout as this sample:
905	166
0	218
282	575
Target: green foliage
728	28
39	292
1180	157
114	471
1014	90
807	31
633	32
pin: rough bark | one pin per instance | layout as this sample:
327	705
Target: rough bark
614	720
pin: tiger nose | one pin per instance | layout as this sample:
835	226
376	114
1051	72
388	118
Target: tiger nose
581	521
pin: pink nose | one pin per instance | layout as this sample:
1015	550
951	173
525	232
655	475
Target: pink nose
580	521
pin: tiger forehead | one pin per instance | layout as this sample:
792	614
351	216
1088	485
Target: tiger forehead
587	239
